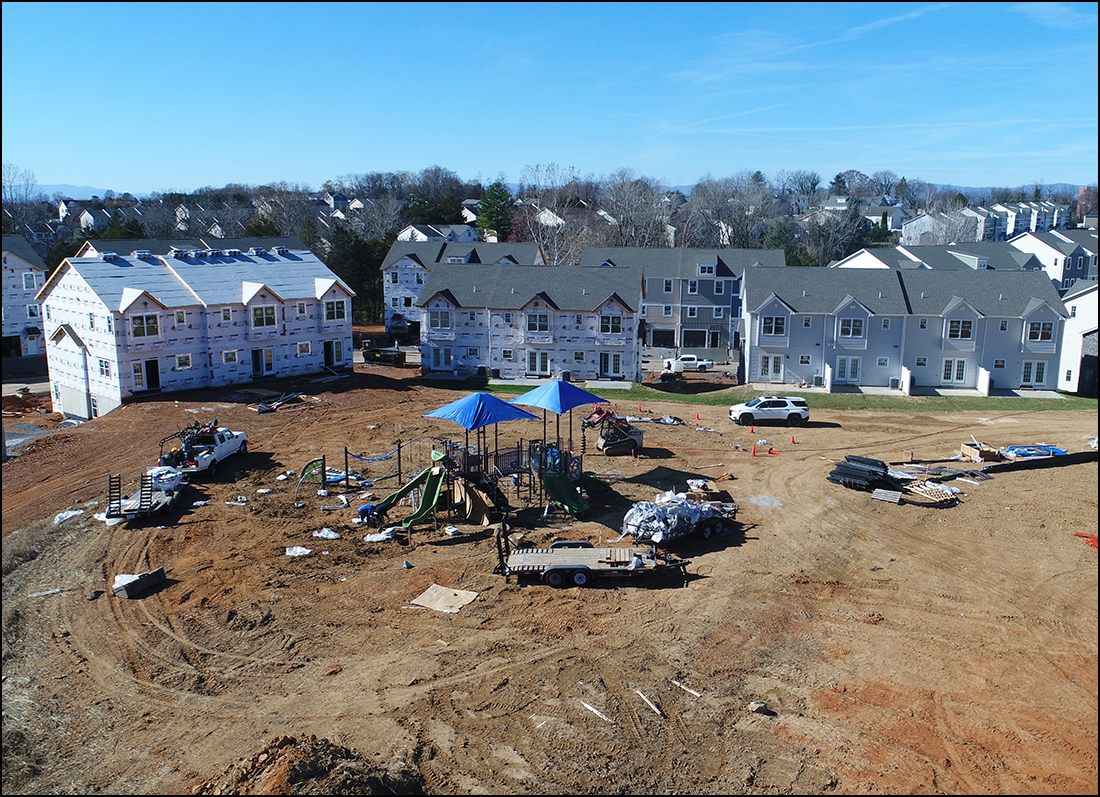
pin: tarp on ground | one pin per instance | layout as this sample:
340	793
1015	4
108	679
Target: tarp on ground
557	396
478	410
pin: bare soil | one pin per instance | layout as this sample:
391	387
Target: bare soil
896	648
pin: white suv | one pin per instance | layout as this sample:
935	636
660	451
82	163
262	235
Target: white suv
791	409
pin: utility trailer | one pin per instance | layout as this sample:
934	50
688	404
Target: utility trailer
161	490
382	356
577	563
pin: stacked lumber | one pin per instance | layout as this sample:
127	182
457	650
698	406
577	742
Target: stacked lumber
863	473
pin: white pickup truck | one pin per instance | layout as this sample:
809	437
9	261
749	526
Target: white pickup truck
202	447
687	362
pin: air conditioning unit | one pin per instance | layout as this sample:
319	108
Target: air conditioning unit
895	383
819	381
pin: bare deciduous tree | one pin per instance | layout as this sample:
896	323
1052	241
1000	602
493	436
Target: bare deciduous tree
22	195
637	207
552	214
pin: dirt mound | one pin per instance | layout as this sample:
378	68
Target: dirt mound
308	765
26	402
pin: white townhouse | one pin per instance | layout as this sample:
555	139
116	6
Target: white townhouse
513	321
24	275
1077	372
408	263
451	233
121	326
977	256
1065	260
1087	240
901	329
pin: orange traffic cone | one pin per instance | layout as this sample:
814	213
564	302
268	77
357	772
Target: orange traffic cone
792	439
696	416
773	451
752	429
753	450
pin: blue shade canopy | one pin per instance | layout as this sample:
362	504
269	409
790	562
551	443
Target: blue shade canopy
478	410
558	397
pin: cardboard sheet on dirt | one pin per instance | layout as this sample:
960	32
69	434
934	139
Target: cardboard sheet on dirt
443	599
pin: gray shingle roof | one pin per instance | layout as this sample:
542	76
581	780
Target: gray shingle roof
21	248
681	262
913	292
1000	255
580	288
430	253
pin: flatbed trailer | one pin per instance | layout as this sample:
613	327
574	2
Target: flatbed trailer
579	563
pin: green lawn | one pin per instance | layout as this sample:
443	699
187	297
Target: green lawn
823	401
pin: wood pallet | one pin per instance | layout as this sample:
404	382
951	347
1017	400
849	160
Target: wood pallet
890	496
932	492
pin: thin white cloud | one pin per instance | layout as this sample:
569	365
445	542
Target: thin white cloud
1056	15
732	115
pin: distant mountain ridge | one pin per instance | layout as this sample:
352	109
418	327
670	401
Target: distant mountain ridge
73	191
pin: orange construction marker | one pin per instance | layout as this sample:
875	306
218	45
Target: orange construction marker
753	450
773	451
792	439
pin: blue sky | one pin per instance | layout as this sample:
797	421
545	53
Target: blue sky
152	97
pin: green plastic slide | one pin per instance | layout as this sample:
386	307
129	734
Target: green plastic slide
562	490
433	484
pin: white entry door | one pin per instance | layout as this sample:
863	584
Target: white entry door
1034	373
611	364
771	368
954	372
847	370
538	362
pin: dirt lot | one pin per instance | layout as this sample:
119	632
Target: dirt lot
897	648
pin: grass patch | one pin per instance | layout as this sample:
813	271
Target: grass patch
821	401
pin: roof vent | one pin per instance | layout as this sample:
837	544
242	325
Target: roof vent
922	294
195	253
1002	297
216	253
233	252
281	250
141	253
803	294
257	250
110	255
179	254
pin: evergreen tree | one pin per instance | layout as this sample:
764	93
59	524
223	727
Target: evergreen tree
495	211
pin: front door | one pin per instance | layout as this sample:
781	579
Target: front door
847	370
954	372
263	362
771	368
611	364
1034	374
538	363
152	374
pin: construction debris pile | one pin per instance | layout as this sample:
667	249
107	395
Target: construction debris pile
657	523
886	484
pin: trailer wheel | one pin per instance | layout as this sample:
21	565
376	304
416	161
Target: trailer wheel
706	530
556	579
581	578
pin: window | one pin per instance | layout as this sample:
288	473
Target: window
578	356
47	313
693	312
806	322
144	326
667	312
1040	330
32	311
960	330
851	327
263	316
506	354
139	375
110	323
91	321
883	362
718	311
538	322
507	318
393	278
998	363
1069	375
886	323
668	286
578	320
1004	326
227	314
922	362
28	280
394	302
774	325
439	319
95	407
419	278
408	301
303	348
611	324
924	323
719	287
1073	311
706	271
334	311
229	356
471	352
803	359
105	368
180	317
183	362
693	286
301	308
